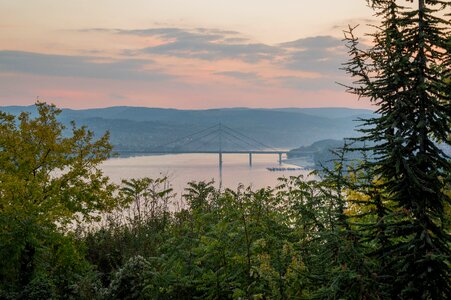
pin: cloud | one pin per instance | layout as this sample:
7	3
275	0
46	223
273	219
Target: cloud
353	22
320	61
77	66
169	33
251	53
244	76
219	31
309	84
235	40
275	66
313	43
118	97
174	33
312	54
202	43
321	54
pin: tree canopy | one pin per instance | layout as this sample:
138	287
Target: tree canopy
405	73
49	178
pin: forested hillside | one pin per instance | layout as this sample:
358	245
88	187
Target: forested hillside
133	128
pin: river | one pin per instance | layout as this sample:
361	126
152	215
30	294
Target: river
182	168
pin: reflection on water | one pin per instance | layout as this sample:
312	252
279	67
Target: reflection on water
182	168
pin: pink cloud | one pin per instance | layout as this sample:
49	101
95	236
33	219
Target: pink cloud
295	74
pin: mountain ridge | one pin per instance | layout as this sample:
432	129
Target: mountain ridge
138	128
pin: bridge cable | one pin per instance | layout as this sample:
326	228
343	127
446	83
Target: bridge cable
239	146
231	139
200	138
263	146
184	137
207	141
231	135
247	137
255	143
242	140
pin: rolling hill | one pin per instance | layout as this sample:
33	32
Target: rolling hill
140	128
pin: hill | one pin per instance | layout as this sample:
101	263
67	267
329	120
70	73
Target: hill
141	128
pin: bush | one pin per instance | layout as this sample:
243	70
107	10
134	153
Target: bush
40	287
129	281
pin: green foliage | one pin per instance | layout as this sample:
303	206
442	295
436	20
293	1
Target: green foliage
129	281
233	244
48	181
146	198
40	288
405	73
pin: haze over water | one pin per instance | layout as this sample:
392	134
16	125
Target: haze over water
183	168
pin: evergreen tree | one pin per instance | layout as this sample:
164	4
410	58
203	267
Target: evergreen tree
405	74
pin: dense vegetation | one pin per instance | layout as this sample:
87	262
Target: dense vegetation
377	228
283	243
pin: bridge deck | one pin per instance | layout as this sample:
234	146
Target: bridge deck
205	152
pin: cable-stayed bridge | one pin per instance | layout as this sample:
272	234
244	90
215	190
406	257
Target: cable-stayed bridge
218	139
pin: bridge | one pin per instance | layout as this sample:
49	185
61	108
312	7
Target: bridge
218	139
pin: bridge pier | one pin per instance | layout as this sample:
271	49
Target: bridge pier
250	159
280	158
220	169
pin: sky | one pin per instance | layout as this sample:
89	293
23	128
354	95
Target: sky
182	54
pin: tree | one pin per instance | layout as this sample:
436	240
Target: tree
49	178
404	73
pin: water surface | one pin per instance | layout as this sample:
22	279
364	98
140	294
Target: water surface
182	168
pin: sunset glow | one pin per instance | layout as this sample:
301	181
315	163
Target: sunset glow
207	54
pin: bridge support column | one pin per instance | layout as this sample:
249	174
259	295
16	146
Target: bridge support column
220	169
250	159
280	158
